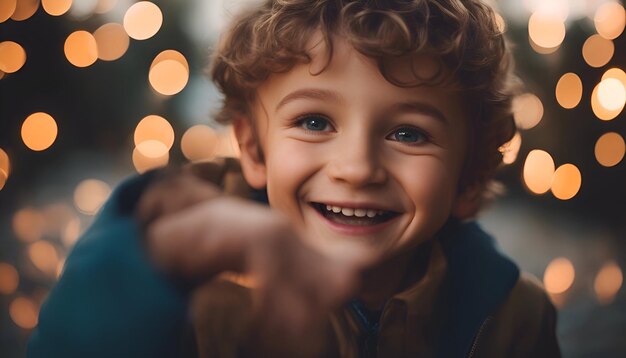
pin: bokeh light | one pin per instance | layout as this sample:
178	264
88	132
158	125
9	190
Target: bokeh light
566	182
39	131
24	9
199	143
610	20
538	171
83	9
616	73
71	232
608	281
527	110
599	110
143	20
169	72
143	163
44	256
611	94
12	56
569	90
154	136
545	29
81	49
598	51
7	7
9	279
5	162
511	149
3	178
542	50
559	275
610	149
105	6
90	194
56	7
112	41
28	225
24	312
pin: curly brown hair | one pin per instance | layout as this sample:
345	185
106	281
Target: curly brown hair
461	34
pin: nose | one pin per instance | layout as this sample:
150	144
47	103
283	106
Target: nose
357	163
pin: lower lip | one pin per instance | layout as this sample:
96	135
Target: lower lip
356	230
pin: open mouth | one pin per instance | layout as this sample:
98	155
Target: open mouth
354	216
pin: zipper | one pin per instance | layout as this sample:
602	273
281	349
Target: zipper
480	331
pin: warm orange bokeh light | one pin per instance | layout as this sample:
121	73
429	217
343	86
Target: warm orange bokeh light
542	50
599	110
538	171
5	163
71	232
24	312
546	30
170	55
168	77
569	90
527	110
81	49
44	256
154	136
7	7
610	149
56	7
566	182
143	163
608	282
143	20
199	142
616	73
510	149
105	6
12	56
25	9
559	275
90	194
598	51
9	279
611	94
39	131
28	225
610	20
3	178
112	41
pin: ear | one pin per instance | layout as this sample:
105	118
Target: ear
468	202
252	163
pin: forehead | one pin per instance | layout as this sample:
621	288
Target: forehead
351	77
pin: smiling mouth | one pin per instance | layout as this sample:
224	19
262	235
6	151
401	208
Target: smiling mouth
354	216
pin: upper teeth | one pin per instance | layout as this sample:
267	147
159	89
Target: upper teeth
370	213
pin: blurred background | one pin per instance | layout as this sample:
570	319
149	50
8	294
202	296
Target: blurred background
93	91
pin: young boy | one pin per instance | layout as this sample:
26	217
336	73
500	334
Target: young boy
372	128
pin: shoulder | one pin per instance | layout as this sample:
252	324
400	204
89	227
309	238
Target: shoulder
525	323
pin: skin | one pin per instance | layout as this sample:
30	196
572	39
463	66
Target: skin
344	137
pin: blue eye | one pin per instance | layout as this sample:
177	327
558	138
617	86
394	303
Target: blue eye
314	123
408	135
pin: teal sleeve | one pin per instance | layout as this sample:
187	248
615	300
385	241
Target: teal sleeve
110	301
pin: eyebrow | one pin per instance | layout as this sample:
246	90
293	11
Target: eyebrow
310	93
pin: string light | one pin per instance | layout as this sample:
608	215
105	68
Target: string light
611	94
39	131
169	72
44	256
608	281
5	163
12	56
527	110
599	110
559	275
81	49
610	149
90	194
154	136
538	171
546	30
143	163
199	143
24	312
9	279
569	90
598	51
24	9
105	6
566	182
28	225
112	41
143	20
7	7
609	20
56	7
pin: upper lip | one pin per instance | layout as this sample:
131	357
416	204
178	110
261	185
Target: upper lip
355	205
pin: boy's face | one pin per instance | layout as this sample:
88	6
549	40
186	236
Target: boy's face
387	158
